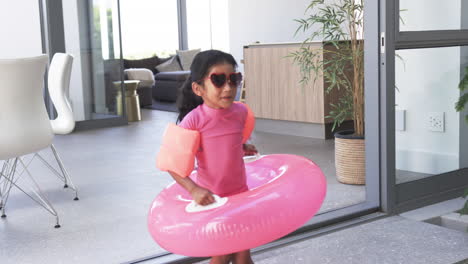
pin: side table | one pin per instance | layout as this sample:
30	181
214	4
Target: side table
131	100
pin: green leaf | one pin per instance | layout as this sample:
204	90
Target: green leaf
464	210
462	101
463	85
465	194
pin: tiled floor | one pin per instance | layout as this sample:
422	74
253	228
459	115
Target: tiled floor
387	241
404	239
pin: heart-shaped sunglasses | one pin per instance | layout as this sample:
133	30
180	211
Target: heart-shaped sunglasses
219	79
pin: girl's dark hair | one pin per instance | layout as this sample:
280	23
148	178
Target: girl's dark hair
203	61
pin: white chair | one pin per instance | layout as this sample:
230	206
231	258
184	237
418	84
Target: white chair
25	125
59	83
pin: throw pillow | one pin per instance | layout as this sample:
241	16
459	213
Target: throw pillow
171	65
186	57
148	63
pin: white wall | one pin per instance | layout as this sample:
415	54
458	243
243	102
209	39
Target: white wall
220	24
265	21
20	29
21	37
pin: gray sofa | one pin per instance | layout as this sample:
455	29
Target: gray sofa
166	84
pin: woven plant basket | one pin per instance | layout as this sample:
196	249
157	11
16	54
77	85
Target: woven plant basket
350	158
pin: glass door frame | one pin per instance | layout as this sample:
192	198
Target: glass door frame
406	196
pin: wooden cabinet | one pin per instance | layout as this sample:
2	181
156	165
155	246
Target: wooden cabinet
273	89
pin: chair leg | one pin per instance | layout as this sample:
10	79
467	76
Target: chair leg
5	186
3	171
64	176
10	176
40	198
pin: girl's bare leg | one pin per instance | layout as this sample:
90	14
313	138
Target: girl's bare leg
225	259
242	257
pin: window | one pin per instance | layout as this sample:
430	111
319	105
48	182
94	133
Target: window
208	24
149	27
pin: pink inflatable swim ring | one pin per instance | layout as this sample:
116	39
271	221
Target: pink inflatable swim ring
285	191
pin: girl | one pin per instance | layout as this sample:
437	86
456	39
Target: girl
206	105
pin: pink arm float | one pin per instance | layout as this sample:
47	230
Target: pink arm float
249	123
178	148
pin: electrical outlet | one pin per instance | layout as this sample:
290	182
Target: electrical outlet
435	121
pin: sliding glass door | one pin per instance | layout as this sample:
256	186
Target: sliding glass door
92	36
426	59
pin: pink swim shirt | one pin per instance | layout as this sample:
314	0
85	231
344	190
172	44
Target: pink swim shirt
220	160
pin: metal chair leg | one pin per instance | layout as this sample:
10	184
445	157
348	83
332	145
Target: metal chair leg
64	176
10	180
7	170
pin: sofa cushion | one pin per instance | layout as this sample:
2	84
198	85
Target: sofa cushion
148	63
172	76
186	57
145	76
171	65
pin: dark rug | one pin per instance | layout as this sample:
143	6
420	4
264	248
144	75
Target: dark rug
163	106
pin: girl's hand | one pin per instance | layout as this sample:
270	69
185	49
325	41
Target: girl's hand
202	196
249	149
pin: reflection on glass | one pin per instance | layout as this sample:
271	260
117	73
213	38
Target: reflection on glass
430	136
421	15
105	58
92	37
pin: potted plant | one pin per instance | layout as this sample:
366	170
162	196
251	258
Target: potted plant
340	26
